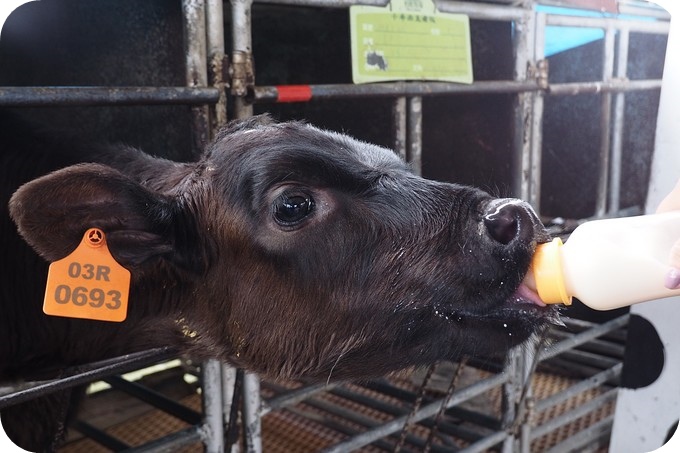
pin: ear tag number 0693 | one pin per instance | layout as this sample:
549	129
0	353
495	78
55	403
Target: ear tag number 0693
88	283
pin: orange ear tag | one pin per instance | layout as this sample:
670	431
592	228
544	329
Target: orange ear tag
88	283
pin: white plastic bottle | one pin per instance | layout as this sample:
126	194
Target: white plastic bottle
608	263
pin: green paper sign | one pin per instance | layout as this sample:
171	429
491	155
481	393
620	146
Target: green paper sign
409	40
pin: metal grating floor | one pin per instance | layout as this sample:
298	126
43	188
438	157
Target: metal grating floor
307	427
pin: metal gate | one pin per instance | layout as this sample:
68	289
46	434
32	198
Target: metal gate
521	420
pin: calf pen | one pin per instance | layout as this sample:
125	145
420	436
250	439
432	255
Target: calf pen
555	396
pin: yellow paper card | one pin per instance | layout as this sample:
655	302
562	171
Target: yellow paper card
88	283
409	40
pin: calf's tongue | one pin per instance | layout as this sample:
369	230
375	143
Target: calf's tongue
527	290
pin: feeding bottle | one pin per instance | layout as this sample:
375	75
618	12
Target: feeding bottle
608	263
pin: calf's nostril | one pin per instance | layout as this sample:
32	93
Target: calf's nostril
503	224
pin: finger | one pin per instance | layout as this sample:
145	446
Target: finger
672	201
672	279
673	276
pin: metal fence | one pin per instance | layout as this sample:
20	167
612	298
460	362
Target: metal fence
211	77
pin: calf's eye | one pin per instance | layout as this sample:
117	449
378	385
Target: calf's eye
290	210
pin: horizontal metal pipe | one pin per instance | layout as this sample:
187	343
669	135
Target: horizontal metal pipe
576	442
482	11
155	399
485	443
601	347
583	337
99	436
334	91
637	26
268	94
92	372
96	96
616	85
292	397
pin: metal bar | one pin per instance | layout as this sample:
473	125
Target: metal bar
99	436
217	59
292	397
414	144
486	443
242	47
155	399
481	11
399	115
535	146
601	347
528	367
100	96
196	67
599	430
637	26
582	386
171	443
213	427
232	386
614	85
580	411
618	125
512	392
265	94
584	337
91	373
523	48
427	411
596	361
251	413
605	125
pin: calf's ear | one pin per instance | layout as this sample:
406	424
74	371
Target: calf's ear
53	212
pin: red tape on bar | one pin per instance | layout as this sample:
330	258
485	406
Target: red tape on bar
294	93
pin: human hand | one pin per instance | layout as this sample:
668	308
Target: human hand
672	203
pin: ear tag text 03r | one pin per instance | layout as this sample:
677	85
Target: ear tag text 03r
88	283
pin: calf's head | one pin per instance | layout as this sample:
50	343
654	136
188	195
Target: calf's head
294	251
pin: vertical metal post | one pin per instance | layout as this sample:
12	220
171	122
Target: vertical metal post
617	130
605	124
536	146
242	43
196	67
399	115
251	413
229	381
216	58
213	429
523	49
512	391
415	134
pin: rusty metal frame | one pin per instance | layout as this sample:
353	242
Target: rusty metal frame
208	77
